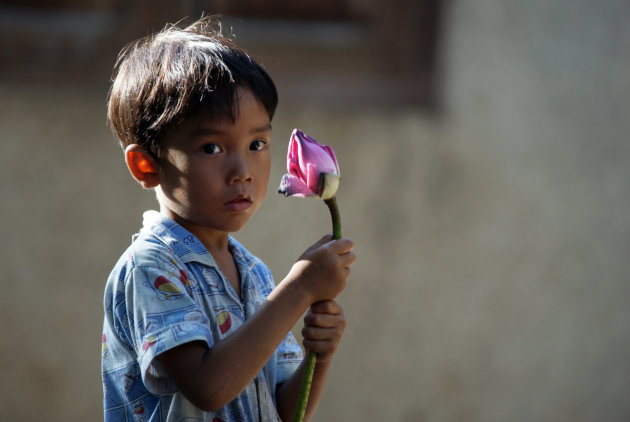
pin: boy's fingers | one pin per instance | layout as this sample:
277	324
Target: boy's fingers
325	239
321	242
326	307
342	246
324	322
349	259
322	347
320	334
326	314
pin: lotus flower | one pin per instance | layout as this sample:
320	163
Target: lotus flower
312	168
313	171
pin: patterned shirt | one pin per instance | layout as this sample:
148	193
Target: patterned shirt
166	290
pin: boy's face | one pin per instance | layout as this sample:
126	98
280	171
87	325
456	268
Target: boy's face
214	173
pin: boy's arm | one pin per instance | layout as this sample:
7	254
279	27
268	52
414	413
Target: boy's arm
212	377
323	327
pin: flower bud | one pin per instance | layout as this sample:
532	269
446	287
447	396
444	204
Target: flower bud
312	168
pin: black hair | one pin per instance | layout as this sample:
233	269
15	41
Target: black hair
161	80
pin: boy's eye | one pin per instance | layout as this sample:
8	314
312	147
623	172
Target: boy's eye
258	145
211	149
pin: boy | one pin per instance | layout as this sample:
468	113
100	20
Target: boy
194	328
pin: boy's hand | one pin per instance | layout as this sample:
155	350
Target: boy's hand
324	268
324	324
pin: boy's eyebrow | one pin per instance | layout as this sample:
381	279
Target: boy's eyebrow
263	128
205	130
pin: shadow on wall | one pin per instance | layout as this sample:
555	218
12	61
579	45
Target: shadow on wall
372	53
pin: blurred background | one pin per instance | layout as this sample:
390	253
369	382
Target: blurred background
485	164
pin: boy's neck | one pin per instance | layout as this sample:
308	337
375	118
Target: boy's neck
216	242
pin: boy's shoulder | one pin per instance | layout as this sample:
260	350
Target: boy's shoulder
153	246
146	248
145	251
161	237
161	240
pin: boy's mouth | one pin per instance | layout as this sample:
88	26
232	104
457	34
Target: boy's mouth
239	203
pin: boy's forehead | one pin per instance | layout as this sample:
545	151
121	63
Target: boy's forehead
207	119
254	116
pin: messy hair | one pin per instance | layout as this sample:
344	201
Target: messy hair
161	80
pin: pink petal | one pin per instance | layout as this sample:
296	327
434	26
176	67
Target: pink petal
307	159
307	150
331	153
312	178
293	186
293	154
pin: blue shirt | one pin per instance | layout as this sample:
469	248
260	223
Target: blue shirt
166	290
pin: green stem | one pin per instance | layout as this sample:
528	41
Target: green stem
307	379
336	218
311	359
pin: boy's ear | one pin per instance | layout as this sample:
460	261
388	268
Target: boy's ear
142	166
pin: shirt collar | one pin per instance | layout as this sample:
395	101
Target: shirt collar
186	245
241	255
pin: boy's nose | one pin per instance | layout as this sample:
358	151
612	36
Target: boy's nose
239	171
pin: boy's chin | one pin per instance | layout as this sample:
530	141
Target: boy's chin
235	226
199	225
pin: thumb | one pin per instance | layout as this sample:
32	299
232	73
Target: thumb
325	239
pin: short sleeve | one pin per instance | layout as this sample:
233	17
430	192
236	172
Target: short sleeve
289	356
162	315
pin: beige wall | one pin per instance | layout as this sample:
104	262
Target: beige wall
493	279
